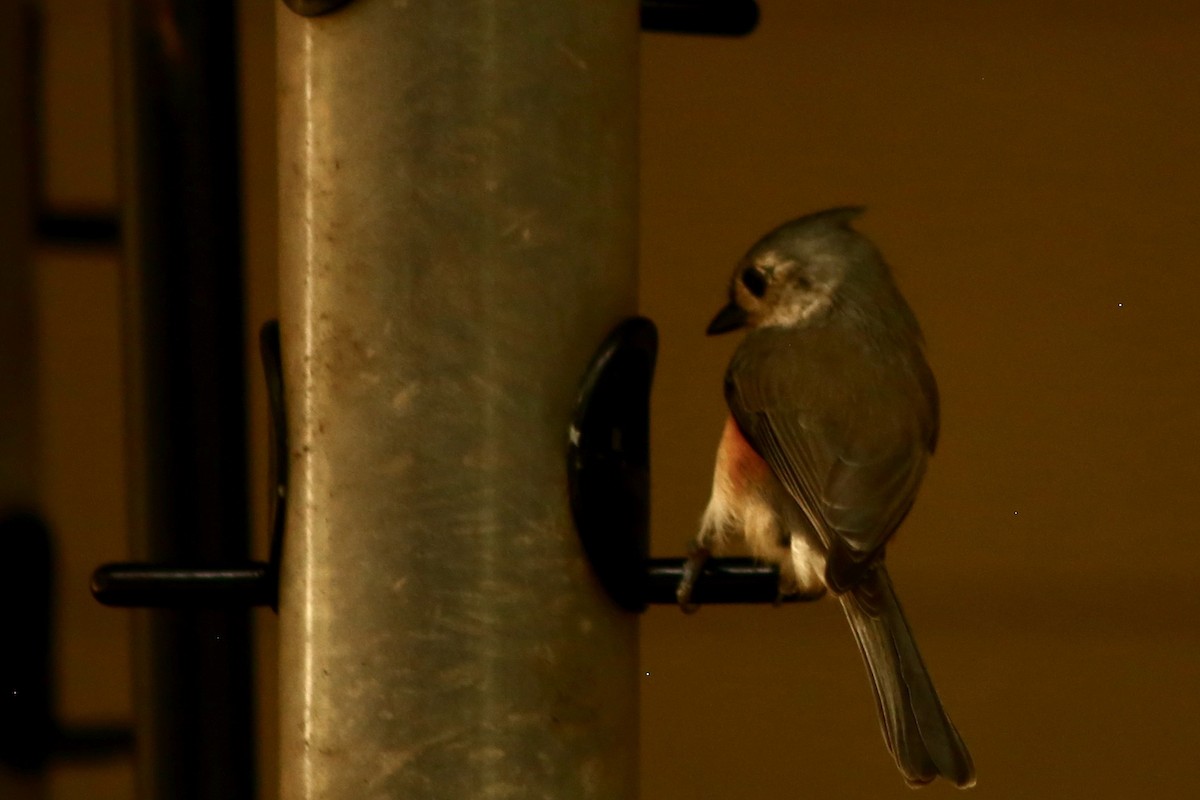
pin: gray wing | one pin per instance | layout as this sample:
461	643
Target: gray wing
847	432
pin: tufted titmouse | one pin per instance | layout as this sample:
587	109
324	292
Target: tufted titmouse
834	413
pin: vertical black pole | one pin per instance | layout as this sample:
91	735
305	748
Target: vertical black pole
181	220
26	706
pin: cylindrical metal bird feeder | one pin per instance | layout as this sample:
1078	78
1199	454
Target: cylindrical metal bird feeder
458	220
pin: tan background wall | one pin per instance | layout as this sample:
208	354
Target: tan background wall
1031	171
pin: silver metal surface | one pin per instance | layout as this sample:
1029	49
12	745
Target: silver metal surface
458	225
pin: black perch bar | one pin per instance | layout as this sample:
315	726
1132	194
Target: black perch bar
162	586
724	580
704	17
78	228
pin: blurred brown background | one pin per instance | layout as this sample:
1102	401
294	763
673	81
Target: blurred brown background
1031	171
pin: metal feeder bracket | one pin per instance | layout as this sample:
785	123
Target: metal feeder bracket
252	583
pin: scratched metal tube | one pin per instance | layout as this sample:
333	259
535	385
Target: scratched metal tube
458	225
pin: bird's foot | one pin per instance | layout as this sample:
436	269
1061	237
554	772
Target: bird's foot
692	568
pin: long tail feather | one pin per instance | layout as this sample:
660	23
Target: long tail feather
919	734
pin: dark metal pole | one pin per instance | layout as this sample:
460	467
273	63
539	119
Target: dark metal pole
27	729
178	134
18	358
25	677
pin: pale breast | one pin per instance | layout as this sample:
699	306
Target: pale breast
750	506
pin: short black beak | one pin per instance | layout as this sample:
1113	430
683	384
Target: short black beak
729	318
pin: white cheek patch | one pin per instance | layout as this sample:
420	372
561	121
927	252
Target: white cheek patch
801	306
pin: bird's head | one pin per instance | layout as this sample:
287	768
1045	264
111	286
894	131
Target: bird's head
792	276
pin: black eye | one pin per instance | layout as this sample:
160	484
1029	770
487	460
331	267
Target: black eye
754	281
